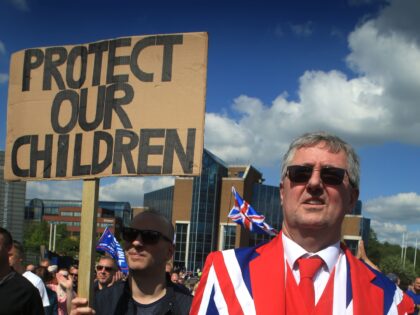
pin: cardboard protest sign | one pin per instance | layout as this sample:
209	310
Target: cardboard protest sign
122	107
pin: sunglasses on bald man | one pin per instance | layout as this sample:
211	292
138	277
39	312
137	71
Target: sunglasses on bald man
148	237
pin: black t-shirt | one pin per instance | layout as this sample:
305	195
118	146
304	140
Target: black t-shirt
117	300
18	296
152	308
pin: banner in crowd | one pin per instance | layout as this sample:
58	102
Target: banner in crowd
121	107
109	244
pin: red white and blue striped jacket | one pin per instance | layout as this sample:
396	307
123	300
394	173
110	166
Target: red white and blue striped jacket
252	281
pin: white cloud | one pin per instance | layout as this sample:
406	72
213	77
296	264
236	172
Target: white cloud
383	92
389	232
20	4
65	190
394	215
278	31
132	189
2	48
403	208
129	189
4	77
393	233
303	30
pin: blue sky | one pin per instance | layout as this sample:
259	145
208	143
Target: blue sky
276	69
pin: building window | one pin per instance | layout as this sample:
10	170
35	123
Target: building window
181	234
229	236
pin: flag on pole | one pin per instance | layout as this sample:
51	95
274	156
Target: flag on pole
109	244
243	213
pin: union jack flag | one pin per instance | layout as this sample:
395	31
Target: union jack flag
243	213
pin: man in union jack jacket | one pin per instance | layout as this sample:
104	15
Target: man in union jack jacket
304	269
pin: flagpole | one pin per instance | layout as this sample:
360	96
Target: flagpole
402	248
405	250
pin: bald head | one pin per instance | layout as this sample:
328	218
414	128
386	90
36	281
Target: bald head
152	220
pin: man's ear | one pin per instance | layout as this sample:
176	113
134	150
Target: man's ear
281	192
171	251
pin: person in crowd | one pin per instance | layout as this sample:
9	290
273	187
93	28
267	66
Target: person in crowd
175	277
45	262
74	274
148	246
361	254
305	269
169	267
394	278
46	277
63	287
414	294
53	270
105	273
16	261
30	268
17	294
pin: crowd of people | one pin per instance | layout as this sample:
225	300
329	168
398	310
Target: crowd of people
303	270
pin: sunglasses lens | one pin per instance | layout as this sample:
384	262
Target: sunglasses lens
299	174
150	237
129	235
100	268
329	175
332	175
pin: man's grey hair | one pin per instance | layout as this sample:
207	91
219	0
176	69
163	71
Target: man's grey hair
333	143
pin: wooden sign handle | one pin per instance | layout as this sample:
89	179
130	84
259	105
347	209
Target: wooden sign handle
88	238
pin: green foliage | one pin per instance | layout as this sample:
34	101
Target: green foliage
38	233
388	257
392	264
35	235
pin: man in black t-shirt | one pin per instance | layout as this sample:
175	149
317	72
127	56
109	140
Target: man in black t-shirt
17	294
148	246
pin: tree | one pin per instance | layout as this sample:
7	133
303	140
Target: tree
392	264
35	235
373	248
38	233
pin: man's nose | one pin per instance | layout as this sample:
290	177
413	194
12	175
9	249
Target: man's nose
138	241
314	185
315	179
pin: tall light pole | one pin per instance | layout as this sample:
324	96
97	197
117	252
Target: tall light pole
405	251
53	234
402	248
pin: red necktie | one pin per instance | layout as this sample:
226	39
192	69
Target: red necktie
307	269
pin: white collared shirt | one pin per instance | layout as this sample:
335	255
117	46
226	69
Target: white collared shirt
330	256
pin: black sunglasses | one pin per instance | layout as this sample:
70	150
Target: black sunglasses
107	268
329	175
148	237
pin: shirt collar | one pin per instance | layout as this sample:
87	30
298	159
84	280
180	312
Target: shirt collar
294	251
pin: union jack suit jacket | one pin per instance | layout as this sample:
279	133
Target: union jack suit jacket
252	281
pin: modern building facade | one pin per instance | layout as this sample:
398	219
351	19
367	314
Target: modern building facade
12	204
110	214
199	209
